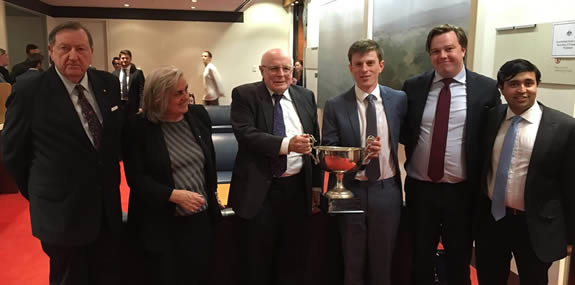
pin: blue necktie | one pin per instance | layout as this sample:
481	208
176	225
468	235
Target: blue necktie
502	174
279	164
372	170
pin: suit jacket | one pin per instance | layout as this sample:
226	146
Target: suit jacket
252	121
150	176
69	183
6	75
135	89
28	74
341	121
18	69
549	188
482	94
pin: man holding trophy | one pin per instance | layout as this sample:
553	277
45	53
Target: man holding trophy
351	119
271	189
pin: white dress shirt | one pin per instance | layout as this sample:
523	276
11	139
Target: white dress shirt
522	149
73	93
212	83
455	144
293	128
125	72
386	164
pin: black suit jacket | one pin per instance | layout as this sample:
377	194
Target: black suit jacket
482	94
252	121
6	75
69	183
549	188
150	175
135	90
19	68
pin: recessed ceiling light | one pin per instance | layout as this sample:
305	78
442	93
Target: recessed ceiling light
193	7
126	5
194	1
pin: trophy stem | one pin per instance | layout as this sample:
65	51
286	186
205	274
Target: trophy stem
339	191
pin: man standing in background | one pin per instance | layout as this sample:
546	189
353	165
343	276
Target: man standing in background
212	81
21	67
4	61
131	83
443	167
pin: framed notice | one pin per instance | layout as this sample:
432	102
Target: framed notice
563	40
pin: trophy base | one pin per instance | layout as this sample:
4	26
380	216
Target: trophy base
342	194
344	206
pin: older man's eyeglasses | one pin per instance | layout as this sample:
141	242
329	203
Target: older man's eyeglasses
276	69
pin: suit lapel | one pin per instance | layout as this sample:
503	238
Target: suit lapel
420	101
391	123
63	105
351	109
542	145
300	109
267	107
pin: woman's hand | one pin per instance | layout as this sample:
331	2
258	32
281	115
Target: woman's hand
190	201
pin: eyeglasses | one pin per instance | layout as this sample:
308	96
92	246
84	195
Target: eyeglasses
276	69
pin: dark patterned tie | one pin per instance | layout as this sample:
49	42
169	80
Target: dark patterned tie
90	116
372	169
279	164
436	166
125	85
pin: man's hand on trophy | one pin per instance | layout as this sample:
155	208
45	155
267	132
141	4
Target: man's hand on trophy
372	149
300	144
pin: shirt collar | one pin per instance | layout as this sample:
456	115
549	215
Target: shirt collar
360	95
286	94
531	115
461	77
71	85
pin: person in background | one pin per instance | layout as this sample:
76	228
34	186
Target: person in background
213	86
21	67
443	167
298	73
132	82
170	168
116	63
4	61
527	204
34	67
271	189
61	144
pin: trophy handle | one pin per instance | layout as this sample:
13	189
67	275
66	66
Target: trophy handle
313	156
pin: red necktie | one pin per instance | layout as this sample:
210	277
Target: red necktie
435	169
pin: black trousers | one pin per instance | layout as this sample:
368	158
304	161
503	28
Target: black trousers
96	263
274	241
497	241
185	257
440	210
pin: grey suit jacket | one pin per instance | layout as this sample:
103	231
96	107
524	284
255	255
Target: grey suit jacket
550	185
341	121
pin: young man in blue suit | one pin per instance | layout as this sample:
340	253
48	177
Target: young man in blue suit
368	109
528	198
441	134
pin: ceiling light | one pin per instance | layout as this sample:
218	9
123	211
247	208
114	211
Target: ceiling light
194	1
193	7
126	5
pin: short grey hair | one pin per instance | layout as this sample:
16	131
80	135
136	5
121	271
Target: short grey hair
156	89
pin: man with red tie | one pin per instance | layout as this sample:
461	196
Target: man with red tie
446	111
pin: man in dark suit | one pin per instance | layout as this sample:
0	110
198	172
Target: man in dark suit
61	143
21	67
4	61
271	189
34	67
527	203
131	83
443	166
368	109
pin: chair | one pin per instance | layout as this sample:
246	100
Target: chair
5	89
225	143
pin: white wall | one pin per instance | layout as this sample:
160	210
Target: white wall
492	14
236	47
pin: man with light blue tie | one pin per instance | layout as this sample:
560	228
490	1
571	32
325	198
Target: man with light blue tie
528	203
368	109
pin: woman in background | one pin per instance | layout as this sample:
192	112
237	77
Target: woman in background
170	168
298	73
